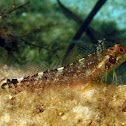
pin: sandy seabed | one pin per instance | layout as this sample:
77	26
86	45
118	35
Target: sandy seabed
88	105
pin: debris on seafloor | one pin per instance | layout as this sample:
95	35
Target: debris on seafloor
71	95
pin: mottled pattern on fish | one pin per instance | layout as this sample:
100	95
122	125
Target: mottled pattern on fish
86	70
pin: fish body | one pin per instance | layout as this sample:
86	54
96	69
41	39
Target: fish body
85	70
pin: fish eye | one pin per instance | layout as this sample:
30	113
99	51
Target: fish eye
121	50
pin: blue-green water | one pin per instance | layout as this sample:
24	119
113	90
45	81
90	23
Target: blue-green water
113	10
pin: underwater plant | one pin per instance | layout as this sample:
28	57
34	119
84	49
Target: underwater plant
15	44
8	40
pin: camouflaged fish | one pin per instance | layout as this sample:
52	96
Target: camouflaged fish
85	70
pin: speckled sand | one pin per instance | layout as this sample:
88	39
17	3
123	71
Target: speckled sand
94	105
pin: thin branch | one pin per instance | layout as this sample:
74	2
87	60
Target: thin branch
10	11
90	32
84	26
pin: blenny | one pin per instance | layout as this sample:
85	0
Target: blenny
85	70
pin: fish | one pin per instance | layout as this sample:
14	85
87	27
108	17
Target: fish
85	70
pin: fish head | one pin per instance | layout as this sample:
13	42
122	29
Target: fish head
116	55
